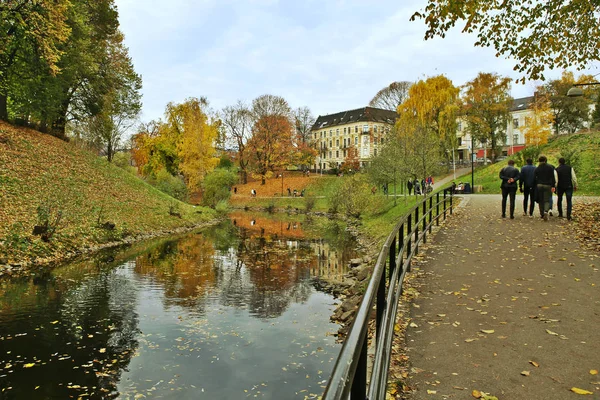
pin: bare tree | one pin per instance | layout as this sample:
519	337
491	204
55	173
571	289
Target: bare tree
237	122
269	105
390	97
304	122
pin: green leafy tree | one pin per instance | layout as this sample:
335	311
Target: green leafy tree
486	106
537	34
216	186
569	113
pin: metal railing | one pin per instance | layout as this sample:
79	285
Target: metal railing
349	376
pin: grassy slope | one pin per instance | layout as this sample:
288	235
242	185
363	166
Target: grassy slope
588	170
39	169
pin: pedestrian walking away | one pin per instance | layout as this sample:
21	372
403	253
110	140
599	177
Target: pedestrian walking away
527	187
409	185
567	184
509	176
545	180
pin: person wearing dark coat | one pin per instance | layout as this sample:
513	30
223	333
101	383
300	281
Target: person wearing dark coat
567	183
509	176
527	186
409	185
545	180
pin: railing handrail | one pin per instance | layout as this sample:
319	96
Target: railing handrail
349	373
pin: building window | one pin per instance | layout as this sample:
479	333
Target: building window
337	131
515	123
329	154
381	140
337	142
365	128
375	128
356	129
344	131
337	154
459	126
515	139
330	143
356	140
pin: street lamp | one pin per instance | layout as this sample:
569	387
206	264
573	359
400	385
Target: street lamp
577	91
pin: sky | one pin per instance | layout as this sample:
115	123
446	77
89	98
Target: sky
328	55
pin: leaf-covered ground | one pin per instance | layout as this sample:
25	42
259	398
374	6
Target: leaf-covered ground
40	170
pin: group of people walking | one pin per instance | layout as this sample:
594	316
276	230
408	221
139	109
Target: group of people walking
423	187
537	185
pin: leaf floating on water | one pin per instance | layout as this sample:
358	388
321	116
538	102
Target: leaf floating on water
28	365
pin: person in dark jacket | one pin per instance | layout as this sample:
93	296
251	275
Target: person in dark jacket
409	185
567	183
509	176
527	186
545	180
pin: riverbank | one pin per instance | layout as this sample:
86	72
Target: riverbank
58	201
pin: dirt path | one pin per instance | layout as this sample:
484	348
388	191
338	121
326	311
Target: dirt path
506	307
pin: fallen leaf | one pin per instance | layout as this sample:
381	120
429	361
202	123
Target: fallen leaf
580	391
551	333
488	331
525	373
431	391
28	365
534	364
593	372
476	393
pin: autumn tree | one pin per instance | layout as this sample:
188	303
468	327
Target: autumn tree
393	164
538	35
237	123
351	161
31	34
486	106
426	120
391	96
570	113
538	126
270	147
196	136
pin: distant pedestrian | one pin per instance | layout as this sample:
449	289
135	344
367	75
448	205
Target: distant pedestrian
289	192
527	186
545	181
509	176
430	180
253	193
409	185
417	187
235	190
423	185
567	184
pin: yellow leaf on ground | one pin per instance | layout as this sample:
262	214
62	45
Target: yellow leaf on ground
488	331
580	391
534	364
593	371
476	393
525	373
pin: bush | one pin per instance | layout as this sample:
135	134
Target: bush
352	197
309	203
123	160
222	207
174	186
217	186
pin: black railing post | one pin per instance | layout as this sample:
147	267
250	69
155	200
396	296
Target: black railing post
400	243
417	229
444	204
425	221
430	213
437	209
451	205
359	385
409	242
380	303
393	255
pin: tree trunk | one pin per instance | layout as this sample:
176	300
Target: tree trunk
3	107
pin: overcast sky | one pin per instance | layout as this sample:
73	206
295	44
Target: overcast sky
329	55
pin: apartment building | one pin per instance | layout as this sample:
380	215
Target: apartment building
363	129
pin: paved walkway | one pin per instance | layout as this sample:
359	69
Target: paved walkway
506	307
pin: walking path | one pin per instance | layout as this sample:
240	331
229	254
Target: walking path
506	307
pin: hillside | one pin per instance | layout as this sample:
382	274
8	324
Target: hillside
41	177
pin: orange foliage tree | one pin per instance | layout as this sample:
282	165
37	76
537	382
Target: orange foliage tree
270	147
352	161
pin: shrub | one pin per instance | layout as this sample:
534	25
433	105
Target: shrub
309	203
217	186
169	184
352	196
222	207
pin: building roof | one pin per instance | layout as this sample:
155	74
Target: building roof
522	104
364	114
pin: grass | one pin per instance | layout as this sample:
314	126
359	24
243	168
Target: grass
38	171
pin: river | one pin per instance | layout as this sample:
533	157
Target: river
230	312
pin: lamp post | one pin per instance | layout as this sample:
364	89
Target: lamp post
577	91
472	165
281	183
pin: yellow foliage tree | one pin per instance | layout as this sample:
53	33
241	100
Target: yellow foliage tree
427	122
539	125
197	135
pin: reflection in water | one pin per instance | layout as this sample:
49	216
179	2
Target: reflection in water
227	313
